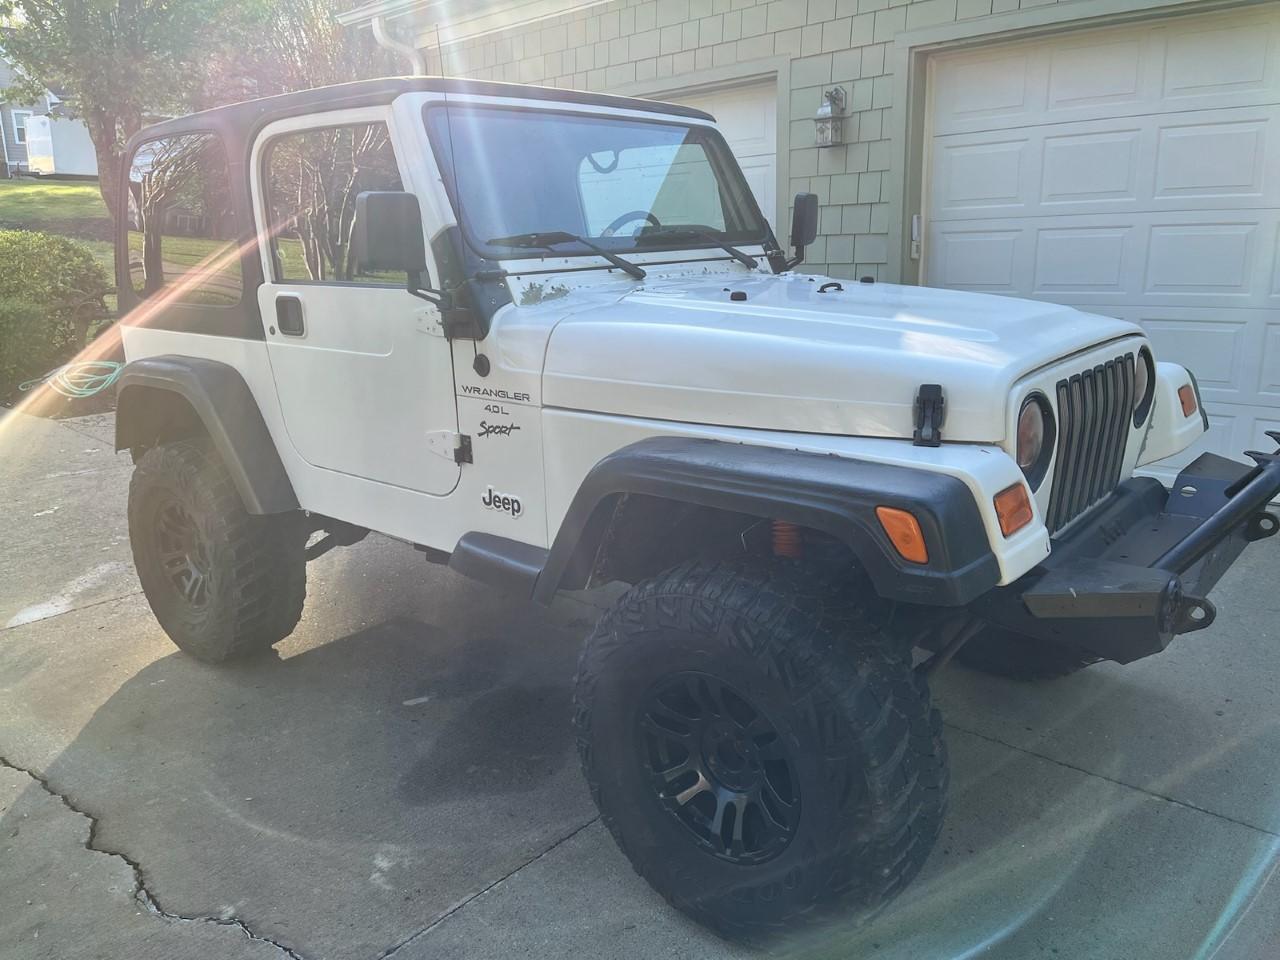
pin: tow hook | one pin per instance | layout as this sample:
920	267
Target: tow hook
1262	525
1193	613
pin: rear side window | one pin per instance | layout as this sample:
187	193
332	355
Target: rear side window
182	230
312	178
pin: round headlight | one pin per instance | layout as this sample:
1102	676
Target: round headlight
1034	444
1144	386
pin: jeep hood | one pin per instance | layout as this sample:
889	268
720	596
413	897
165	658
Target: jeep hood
790	358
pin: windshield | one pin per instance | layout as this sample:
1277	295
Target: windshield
624	184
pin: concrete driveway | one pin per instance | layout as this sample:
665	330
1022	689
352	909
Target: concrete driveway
400	780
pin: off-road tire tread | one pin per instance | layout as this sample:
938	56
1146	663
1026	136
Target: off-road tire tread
804	626
265	584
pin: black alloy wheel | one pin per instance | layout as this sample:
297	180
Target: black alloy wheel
719	767
183	553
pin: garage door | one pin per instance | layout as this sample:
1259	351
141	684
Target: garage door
1133	172
747	116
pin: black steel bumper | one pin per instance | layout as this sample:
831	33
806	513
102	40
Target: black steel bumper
1133	574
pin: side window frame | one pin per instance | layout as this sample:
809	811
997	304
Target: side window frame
141	296
26	115
295	126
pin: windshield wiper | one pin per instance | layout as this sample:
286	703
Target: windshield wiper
700	233
553	238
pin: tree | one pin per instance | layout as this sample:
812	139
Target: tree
118	62
315	176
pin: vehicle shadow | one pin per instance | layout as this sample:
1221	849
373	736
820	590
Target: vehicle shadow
342	795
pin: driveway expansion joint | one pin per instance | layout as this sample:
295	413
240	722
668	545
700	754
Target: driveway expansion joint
467	900
140	892
1119	783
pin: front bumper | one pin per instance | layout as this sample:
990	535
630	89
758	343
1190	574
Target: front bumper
1130	576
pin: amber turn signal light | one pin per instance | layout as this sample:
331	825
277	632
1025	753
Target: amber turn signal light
1013	507
904	532
1188	398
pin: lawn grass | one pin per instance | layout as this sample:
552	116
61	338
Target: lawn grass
42	201
70	208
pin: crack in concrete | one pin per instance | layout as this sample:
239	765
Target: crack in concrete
140	892
465	901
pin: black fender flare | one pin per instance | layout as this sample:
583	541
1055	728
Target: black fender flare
226	407
834	494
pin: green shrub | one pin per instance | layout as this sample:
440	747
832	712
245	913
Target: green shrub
60	280
24	343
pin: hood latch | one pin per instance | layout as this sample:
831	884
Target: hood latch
930	412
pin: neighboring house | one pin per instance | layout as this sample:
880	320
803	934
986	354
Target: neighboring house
1122	156
36	138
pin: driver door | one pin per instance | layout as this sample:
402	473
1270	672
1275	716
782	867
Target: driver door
363	377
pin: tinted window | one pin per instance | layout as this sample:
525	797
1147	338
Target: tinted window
182	231
312	179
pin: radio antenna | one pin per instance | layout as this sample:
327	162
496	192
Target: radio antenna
448	125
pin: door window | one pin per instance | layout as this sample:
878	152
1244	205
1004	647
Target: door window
312	178
182	230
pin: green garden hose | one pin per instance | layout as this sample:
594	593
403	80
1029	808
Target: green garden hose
79	379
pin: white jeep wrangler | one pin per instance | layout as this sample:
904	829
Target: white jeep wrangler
549	339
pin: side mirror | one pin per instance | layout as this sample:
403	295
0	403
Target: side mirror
387	233
804	224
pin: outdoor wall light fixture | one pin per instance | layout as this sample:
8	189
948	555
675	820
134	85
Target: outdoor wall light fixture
829	120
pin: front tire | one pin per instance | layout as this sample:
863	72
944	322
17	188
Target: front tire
759	751
222	583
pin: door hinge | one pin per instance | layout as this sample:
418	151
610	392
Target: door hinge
450	445
462	452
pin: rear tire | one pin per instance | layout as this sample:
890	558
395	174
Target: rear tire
1004	653
222	583
801	717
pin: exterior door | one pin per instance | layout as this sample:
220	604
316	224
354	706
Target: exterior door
1129	171
748	118
364	380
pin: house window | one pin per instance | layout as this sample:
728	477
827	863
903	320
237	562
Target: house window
20	118
182	228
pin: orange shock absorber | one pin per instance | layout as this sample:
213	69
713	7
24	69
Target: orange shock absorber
786	540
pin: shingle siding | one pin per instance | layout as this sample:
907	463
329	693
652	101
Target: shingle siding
623	43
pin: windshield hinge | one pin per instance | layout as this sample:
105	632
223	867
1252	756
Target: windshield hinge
431	323
930	412
450	445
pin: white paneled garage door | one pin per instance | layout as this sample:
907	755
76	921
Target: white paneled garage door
748	118
1134	172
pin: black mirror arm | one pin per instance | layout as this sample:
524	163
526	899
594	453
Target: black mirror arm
793	262
439	298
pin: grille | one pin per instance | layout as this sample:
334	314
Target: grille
1094	410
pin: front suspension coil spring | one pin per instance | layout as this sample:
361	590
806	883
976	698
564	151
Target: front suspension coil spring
787	540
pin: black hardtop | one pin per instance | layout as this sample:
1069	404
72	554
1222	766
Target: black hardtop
239	121
238	124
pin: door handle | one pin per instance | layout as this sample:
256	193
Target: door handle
289	316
